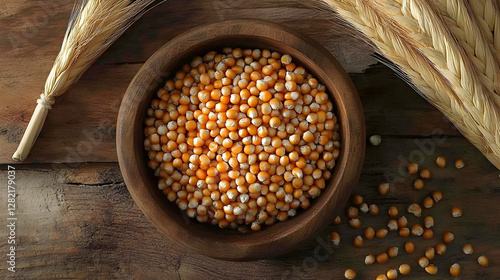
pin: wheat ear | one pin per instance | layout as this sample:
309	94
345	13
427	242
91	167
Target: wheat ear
462	22
93	26
388	39
451	60
394	42
488	15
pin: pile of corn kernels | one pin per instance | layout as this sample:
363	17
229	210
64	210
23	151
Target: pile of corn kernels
242	138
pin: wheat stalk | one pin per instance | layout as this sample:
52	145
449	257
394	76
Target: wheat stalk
440	70
93	26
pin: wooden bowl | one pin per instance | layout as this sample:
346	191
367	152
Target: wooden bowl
205	238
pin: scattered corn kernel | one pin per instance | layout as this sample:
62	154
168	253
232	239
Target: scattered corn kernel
417	230
412	168
357	200
440	249
431	269
337	220
428	222
423	262
409	247
392	225
437	196
393	252
381	233
459	163
425	173
382	258
375	140
430	253
455	269
370	259
467	249
352	212
428	234
456	212
373	209
369	233
448	237
354	223
418	184
404	269
402	221
392	274
364	208
415	209
357	241
428	202
404	232
350	274
383	188
483	261
382	277
441	161
335	238
393	211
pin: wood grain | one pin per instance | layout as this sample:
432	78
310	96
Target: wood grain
31	37
77	220
81	223
33	32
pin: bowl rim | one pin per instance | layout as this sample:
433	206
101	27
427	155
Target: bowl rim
281	237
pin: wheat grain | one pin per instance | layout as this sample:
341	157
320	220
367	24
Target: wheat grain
93	26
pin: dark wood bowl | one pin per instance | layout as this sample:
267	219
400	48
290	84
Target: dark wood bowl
205	238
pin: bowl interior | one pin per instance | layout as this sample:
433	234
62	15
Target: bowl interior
206	238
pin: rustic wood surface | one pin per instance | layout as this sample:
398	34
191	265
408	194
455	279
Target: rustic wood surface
76	219
31	37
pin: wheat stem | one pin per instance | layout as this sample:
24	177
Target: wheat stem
93	26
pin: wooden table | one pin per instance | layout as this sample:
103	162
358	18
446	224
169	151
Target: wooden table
76	219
